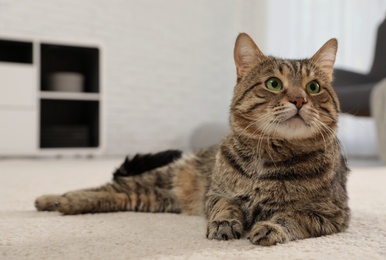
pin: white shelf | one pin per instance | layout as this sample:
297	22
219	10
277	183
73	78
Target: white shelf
69	95
32	115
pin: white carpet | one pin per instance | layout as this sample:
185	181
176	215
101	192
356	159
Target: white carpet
27	234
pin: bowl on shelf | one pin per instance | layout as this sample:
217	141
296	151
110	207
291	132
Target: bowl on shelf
65	81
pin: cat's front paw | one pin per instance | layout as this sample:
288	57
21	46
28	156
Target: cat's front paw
224	230
47	203
268	234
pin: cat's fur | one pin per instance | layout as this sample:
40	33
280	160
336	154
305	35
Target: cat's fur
278	176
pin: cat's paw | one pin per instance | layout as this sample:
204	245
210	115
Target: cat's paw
268	234
55	203
224	230
68	205
47	203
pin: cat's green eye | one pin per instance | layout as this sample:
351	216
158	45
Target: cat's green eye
274	84
313	87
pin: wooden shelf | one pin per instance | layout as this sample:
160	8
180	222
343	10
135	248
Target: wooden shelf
69	95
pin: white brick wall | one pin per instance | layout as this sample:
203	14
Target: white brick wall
168	65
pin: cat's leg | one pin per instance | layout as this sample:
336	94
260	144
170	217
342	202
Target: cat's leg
82	202
48	202
225	219
144	183
155	200
111	198
55	202
289	226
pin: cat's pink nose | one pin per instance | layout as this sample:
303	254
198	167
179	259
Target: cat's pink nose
298	102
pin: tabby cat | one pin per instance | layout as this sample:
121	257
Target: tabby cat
278	176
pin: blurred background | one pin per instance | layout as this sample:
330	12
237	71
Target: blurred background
152	75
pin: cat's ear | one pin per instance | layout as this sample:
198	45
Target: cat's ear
325	56
246	54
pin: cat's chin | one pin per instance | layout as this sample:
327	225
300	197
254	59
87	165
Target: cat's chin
294	128
295	122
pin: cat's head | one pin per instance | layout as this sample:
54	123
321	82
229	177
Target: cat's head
281	98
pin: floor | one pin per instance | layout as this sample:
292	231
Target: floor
28	234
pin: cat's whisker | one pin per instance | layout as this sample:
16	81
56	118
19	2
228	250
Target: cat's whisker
321	131
323	128
268	129
263	119
263	129
254	122
333	133
341	144
333	120
327	128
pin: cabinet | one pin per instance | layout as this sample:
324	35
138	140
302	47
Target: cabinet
18	110
50	98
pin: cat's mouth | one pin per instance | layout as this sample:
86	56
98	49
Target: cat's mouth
295	121
295	126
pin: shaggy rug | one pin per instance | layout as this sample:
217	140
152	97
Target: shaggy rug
28	234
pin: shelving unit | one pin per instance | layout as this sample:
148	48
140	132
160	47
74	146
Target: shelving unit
69	123
39	118
69	96
69	58
69	119
18	108
16	51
